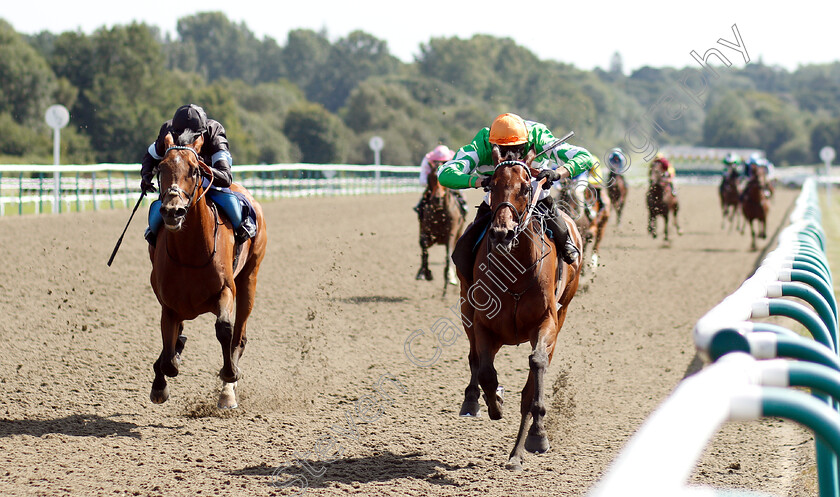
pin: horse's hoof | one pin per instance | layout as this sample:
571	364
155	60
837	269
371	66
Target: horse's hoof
159	396
537	444
470	409
420	275
227	399
514	464
429	276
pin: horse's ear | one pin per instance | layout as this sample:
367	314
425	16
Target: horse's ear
198	143
497	155
530	156
168	142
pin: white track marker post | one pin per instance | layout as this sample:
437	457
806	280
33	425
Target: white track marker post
376	144
57	117
827	154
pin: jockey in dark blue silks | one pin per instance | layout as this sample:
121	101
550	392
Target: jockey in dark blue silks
188	123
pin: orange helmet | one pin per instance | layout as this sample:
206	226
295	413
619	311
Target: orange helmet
508	129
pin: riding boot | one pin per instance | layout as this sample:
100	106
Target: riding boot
155	222
566	248
463	255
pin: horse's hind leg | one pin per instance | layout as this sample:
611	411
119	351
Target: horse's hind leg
224	333
170	357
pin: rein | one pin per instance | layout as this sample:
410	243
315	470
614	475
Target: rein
176	190
523	221
193	200
523	218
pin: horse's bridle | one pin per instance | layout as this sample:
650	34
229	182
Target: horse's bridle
177	190
525	216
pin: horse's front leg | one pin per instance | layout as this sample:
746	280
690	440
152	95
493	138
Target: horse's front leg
169	360
486	350
652	224
676	221
533	405
424	272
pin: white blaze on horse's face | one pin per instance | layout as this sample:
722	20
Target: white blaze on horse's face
178	181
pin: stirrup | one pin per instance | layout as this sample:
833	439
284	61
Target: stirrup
570	252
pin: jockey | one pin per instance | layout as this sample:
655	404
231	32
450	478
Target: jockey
669	170
473	167
617	161
188	123
436	157
752	161
730	163
594	180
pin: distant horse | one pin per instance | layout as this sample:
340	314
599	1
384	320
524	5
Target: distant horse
618	193
661	200
730	202
755	203
442	223
591	217
521	293
196	268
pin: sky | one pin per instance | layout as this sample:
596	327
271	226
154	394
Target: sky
585	33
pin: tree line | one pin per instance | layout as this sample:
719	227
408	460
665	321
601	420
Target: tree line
310	99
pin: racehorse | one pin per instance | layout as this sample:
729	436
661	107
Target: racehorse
442	222
196	268
520	293
755	204
591	217
661	200
730	202
617	192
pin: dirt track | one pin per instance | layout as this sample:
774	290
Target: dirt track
336	300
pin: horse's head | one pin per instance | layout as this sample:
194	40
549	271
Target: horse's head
435	188
657	172
510	192
180	179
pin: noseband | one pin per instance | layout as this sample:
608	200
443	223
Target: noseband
523	217
180	192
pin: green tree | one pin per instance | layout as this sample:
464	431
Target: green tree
320	135
27	83
224	49
351	60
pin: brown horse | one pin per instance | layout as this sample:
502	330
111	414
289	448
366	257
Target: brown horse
520	294
193	269
618	193
755	204
441	223
661	200
590	215
730	202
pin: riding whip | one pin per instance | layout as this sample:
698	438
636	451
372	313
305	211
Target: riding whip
117	246
556	143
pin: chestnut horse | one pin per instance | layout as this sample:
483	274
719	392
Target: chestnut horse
618	193
730	202
516	298
661	200
193	270
755	204
591	217
442	223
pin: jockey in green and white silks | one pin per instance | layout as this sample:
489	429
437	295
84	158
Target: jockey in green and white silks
473	166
